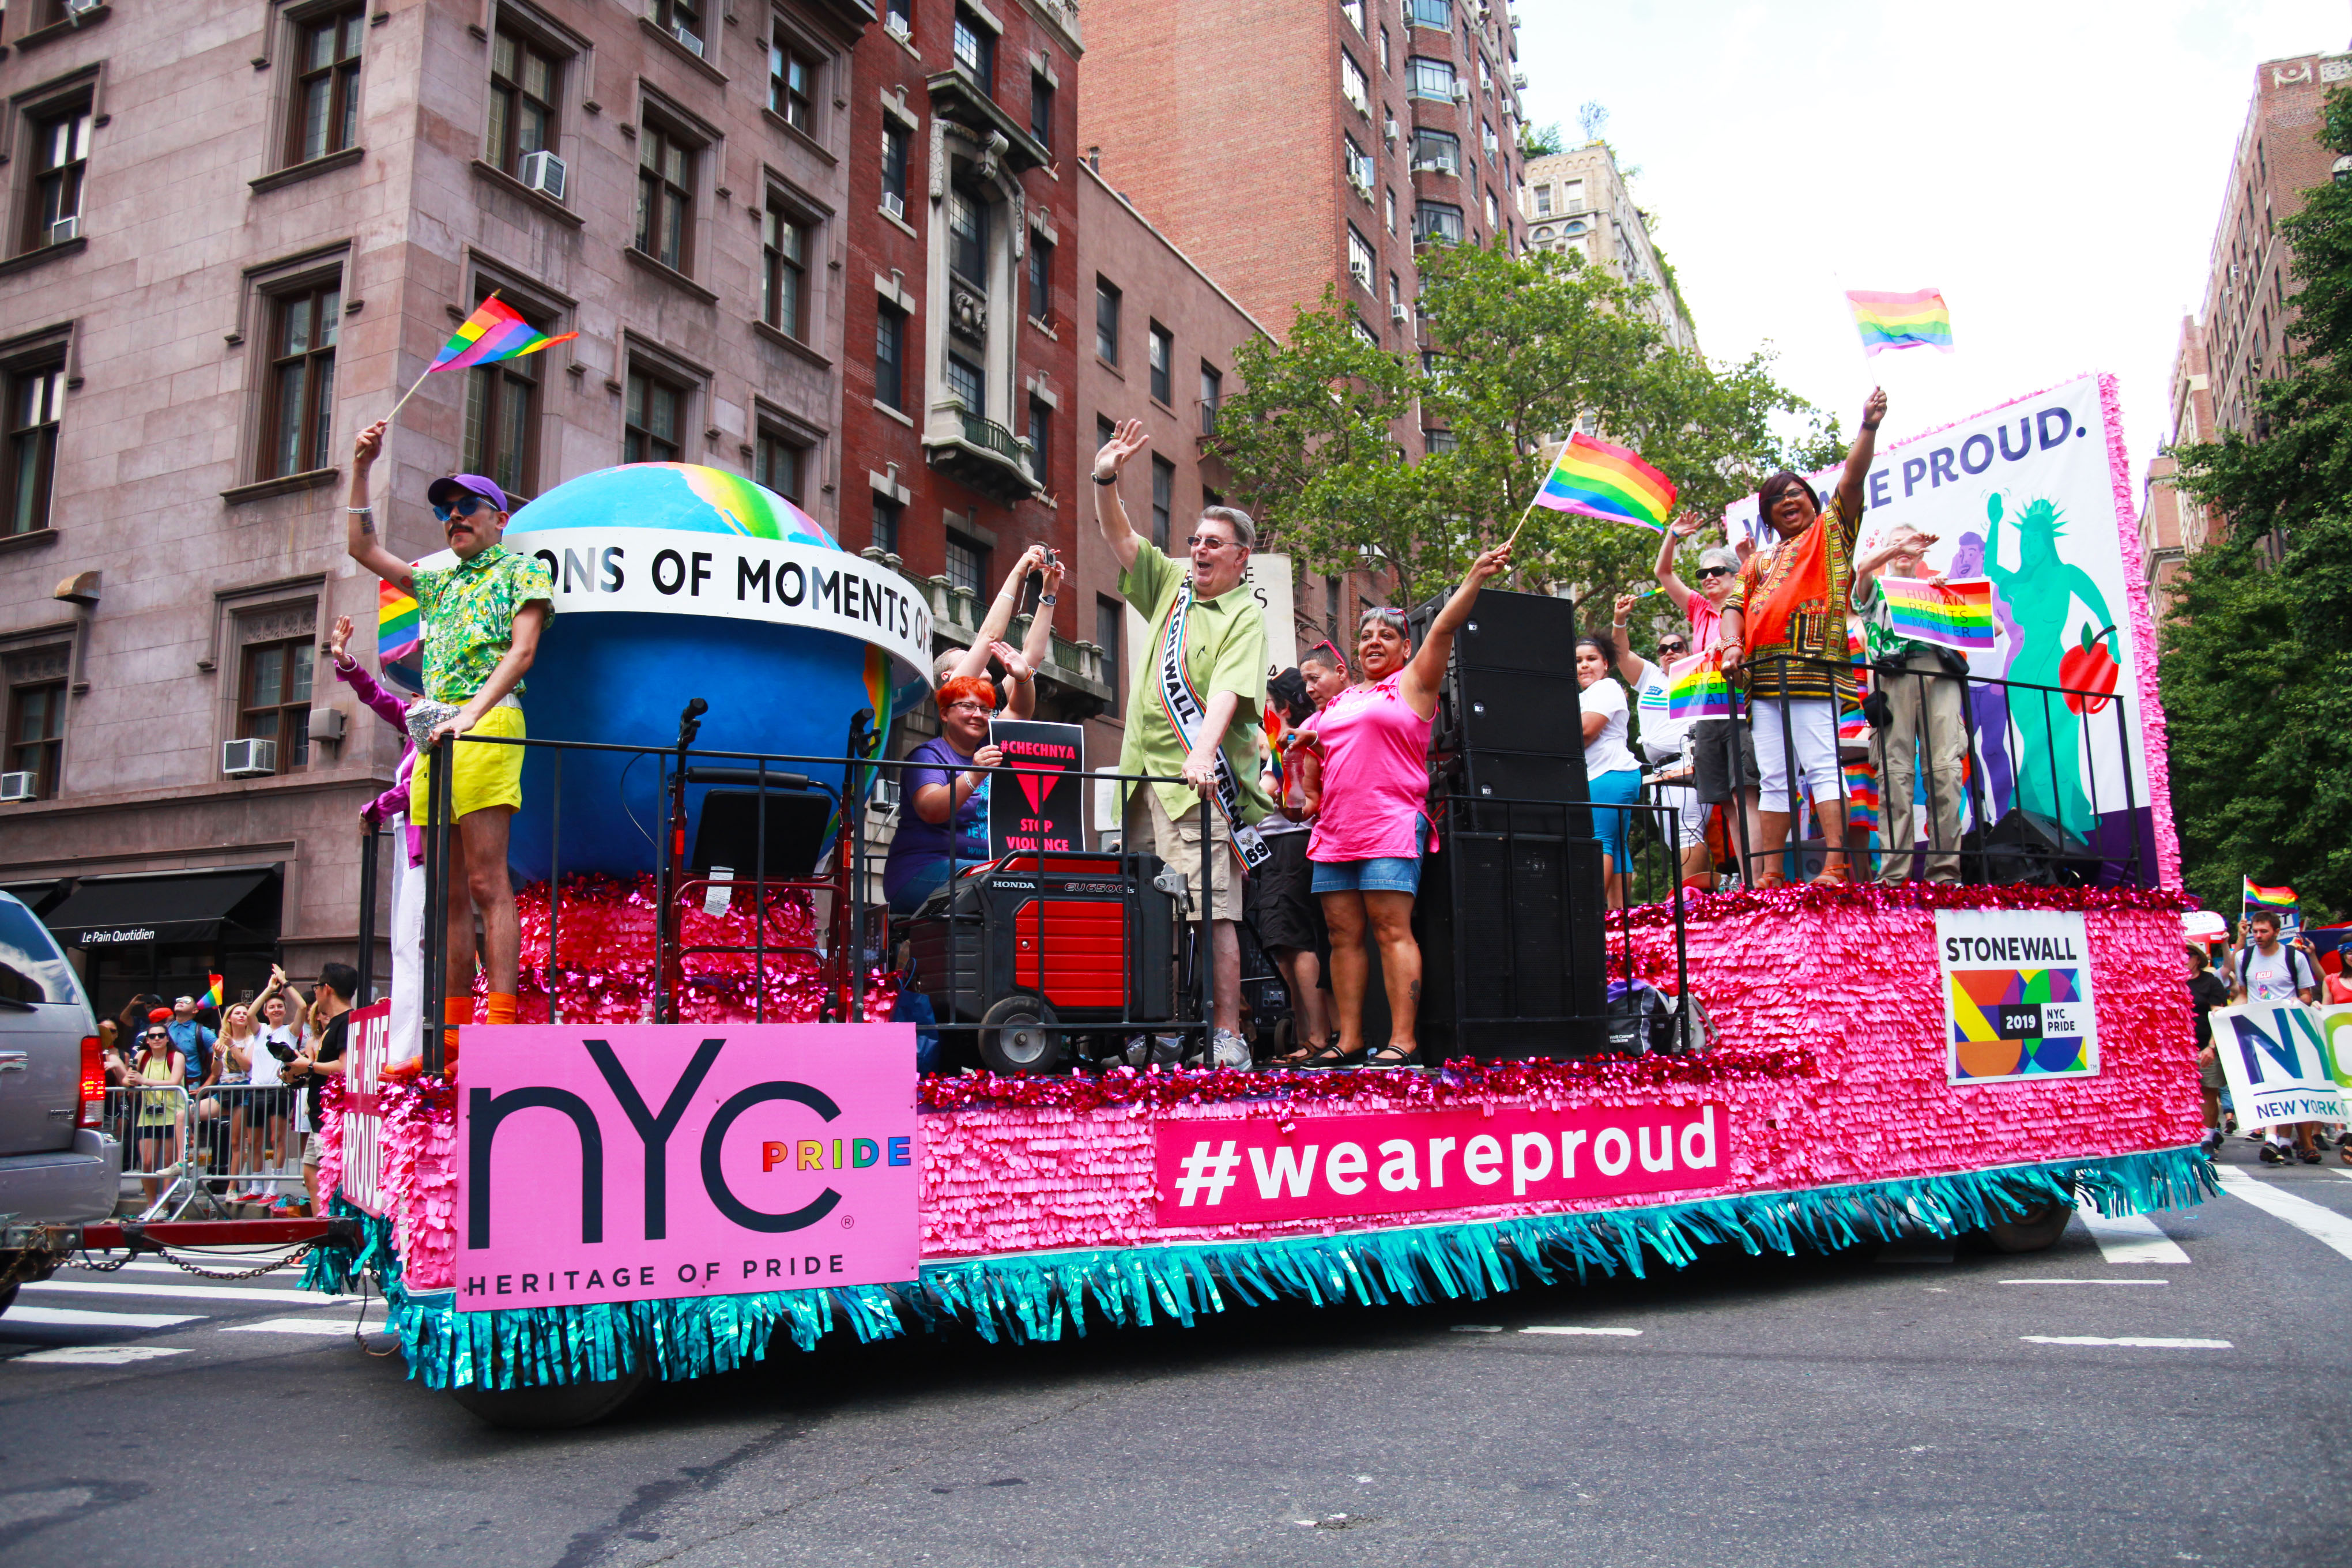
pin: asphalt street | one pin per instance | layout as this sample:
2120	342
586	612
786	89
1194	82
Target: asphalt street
2143	1394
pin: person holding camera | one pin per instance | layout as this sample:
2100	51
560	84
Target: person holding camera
1917	709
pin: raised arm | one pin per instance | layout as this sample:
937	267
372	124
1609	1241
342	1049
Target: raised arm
353	674
973	661
1677	590
359	536
1629	663
1426	673
1110	511
1037	647
1020	680
1858	456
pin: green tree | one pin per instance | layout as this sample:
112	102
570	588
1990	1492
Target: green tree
2258	655
1520	349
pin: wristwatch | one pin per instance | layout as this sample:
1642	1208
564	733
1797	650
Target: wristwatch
1048	599
1106	478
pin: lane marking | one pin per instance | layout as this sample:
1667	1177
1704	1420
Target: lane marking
2321	1224
204	1292
1613	1334
2135	1342
67	1318
1475	1329
99	1355
2128	1238
289	1326
2086	1282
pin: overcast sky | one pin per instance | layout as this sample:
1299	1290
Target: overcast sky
2054	166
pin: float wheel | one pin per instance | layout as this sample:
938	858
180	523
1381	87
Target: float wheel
553	1407
1020	1033
2036	1230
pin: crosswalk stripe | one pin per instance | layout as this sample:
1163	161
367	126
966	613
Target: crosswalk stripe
1613	1333
2135	1342
2128	1238
205	1292
69	1318
99	1355
289	1326
2321	1223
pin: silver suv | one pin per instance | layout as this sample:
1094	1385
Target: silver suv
56	1165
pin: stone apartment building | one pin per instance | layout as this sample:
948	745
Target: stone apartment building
234	235
1577	201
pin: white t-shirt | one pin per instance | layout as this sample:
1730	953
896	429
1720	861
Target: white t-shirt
1662	734
230	1072
1609	754
2276	976
267	1071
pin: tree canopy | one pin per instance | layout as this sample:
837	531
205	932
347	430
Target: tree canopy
2258	655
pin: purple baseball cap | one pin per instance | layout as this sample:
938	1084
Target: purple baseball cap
442	491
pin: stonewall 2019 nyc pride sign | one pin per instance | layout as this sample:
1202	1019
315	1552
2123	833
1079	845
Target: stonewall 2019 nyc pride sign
638	1161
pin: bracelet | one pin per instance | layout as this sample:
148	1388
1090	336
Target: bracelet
1112	480
361	510
1047	599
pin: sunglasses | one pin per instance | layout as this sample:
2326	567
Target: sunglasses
1209	542
464	506
1673	647
1707	572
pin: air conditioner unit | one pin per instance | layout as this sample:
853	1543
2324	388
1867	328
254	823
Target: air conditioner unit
686	36
895	204
65	228
542	172
1520	81
16	787
1433	166
249	759
1461	92
1398	313
1389	129
1361	274
897	26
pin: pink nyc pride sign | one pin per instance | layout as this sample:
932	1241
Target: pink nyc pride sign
630	1162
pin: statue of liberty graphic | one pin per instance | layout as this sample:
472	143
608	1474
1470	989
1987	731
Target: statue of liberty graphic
2040	595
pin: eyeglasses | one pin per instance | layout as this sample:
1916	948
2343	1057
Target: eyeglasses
159	1035
1673	647
464	506
1707	572
969	705
1209	542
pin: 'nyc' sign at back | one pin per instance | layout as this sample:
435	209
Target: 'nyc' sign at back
636	1161
2277	1063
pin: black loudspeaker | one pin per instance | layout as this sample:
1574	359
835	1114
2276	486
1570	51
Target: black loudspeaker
2027	847
1509	723
728	833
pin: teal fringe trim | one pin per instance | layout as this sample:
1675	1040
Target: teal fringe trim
1024	1297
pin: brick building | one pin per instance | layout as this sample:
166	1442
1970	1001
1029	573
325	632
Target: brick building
2174	525
234	234
1576	201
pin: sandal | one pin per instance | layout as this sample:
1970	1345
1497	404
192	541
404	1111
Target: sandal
1333	1054
1392	1056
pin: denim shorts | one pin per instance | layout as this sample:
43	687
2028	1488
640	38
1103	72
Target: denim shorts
1389	874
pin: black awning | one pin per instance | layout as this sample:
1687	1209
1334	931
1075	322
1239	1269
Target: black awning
37	896
170	906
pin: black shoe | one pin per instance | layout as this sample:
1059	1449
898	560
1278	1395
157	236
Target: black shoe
2271	1155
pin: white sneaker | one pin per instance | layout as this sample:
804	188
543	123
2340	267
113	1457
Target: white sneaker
1229	1051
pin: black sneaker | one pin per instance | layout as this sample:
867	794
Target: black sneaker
2271	1155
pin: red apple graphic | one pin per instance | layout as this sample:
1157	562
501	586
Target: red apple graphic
2090	668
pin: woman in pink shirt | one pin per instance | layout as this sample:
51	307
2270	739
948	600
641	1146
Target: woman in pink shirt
1369	828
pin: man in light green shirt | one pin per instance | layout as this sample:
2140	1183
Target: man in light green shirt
1196	716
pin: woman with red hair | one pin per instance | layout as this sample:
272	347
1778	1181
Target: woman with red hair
943	797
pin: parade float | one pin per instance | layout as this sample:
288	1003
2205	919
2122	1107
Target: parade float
594	1199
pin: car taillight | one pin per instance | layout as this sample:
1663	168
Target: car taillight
93	1083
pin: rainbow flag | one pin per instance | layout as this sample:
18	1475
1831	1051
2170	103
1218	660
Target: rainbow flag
212	996
1901	320
399	636
1862	797
1597	479
2261	898
493	333
1952	615
1699	690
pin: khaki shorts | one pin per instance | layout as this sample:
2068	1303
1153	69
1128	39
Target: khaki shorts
484	776
314	1149
1150	831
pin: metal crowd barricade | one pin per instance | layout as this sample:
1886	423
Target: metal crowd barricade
208	1145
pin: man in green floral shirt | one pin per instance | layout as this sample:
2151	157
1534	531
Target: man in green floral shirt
483	617
1924	696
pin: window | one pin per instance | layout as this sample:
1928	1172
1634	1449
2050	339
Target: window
327	88
681	19
779	464
1359	166
975	51
34	399
1572	196
1430	78
887	513
967	382
783	276
1352	85
791	85
1041	439
1486	139
1360	258
1213	392
60	153
1041	110
1041	278
968	236
1354	11
1107	321
1110	621
1436	149
274	700
36	729
1396	292
1543	201
502	421
1437	441
1491	211
1163	500
967	564
1388	210
1163	355
894	164
898	16
665	195
890	356
1429	14
301	415
1436	221
1364	331
650	429
522	101
1384	51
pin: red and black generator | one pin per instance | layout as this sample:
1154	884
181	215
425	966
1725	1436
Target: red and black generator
1031	953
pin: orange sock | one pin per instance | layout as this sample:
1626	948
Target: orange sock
501	1008
455	1010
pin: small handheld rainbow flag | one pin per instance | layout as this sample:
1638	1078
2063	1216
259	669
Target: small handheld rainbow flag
1950	615
1901	320
1597	479
2261	898
212	996
493	333
1699	690
1862	797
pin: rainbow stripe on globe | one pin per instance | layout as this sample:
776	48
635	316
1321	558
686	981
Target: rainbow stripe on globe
1947	614
493	333
1917	320
1596	479
1699	690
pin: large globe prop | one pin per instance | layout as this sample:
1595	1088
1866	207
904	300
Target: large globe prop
675	581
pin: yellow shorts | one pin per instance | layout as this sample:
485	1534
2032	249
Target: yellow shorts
486	777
